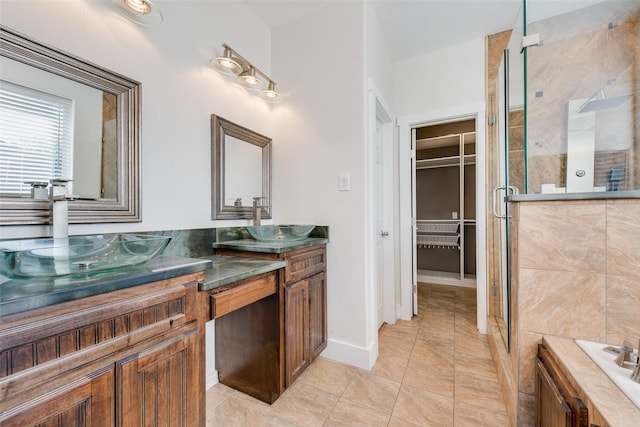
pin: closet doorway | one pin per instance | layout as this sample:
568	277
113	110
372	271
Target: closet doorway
445	203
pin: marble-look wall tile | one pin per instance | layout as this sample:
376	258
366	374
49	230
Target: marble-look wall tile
504	369
623	309
562	236
568	304
527	353
623	238
527	410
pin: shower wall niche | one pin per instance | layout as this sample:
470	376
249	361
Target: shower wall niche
445	203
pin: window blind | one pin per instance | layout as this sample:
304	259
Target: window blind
36	138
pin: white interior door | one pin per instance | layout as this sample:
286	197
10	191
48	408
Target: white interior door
385	248
414	272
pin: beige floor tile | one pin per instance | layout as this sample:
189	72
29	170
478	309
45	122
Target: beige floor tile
218	394
438	379
237	410
469	366
483	393
396	422
423	408
372	391
435	370
428	345
391	366
271	420
328	375
470	413
393	345
347	413
305	405
403	330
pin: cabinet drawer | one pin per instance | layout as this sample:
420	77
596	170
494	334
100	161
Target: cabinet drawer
305	263
242	295
120	318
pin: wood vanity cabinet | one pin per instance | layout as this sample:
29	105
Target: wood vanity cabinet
127	357
303	295
558	403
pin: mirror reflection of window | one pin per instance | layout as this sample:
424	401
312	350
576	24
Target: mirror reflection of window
36	138
86	123
242	172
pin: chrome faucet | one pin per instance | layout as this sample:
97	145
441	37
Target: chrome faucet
257	210
59	200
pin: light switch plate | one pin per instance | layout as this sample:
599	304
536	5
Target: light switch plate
344	182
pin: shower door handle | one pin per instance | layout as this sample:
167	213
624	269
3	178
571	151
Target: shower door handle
495	202
509	190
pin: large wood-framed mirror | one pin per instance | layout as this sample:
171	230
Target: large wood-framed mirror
240	170
104	157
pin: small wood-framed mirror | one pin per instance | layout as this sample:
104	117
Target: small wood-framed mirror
240	171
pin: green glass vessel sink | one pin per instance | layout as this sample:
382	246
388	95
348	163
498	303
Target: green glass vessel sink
280	233
77	255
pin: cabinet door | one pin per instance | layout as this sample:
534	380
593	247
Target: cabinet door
551	408
88	401
317	314
159	386
296	320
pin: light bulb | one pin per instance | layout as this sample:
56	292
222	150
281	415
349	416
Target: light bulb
142	12
226	64
138	6
270	94
249	80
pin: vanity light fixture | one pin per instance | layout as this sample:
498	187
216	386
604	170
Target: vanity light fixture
248	79
226	64
142	12
270	94
248	76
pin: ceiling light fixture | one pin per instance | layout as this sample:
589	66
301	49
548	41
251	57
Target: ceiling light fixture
142	12
248	76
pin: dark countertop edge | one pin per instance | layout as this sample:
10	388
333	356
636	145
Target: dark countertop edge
268	247
601	195
154	271
259	267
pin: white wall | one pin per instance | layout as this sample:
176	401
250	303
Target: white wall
440	80
179	91
318	134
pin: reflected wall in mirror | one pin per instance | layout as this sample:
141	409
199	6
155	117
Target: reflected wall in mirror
241	170
98	151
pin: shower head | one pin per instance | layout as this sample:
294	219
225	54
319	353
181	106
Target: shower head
602	104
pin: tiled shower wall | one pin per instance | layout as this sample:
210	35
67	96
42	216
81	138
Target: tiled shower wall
580	55
576	274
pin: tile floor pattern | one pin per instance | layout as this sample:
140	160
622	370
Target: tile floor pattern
435	370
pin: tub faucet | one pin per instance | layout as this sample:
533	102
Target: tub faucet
59	200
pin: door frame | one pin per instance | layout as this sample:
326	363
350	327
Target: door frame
408	268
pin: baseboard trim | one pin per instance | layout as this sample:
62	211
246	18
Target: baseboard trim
360	357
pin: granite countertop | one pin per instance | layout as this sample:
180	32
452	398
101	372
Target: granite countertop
614	406
229	269
251	245
18	295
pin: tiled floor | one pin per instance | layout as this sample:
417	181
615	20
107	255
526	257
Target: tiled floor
435	370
